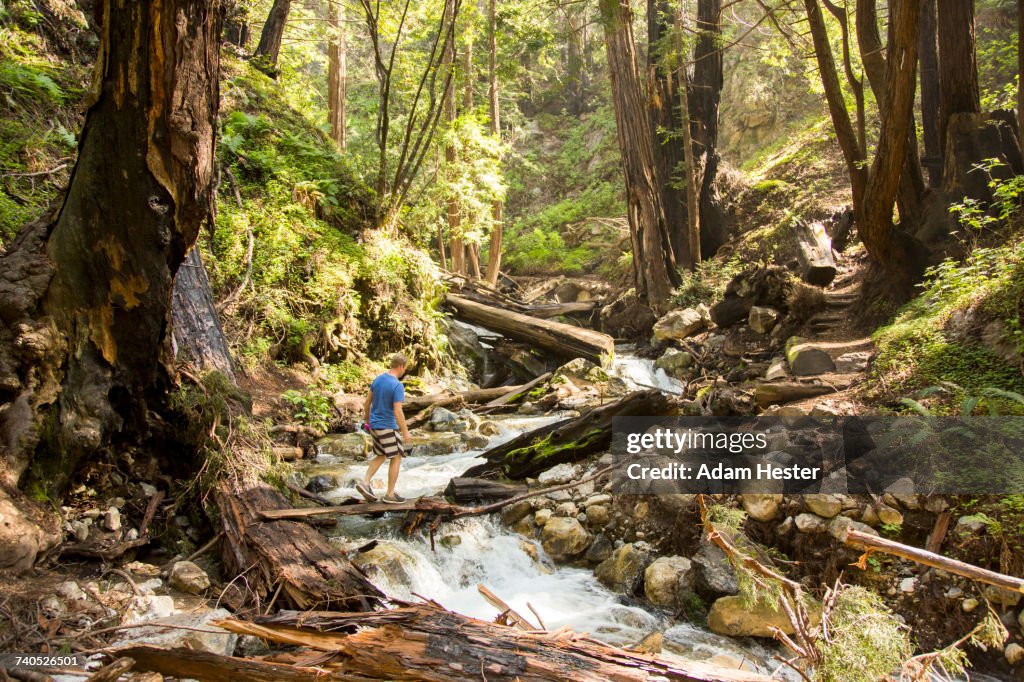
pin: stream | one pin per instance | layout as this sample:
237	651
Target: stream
480	550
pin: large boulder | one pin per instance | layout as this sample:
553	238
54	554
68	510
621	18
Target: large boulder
762	319
627	317
187	630
187	577
715	576
667	579
673	360
733	616
806	359
762	506
564	537
824	505
680	324
467	346
623	571
384	561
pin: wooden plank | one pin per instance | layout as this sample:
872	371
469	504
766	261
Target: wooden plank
562	339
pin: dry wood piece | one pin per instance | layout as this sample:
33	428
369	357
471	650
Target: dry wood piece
872	543
112	671
185	663
310	570
507	614
817	266
787	392
287	453
563	339
463	489
426	642
568	441
415	404
520	390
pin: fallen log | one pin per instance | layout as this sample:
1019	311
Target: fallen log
567	441
814	251
513	395
419	403
427	642
292	558
873	543
788	391
464	489
184	664
562	339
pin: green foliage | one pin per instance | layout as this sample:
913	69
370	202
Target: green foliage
310	407
33	82
706	283
865	642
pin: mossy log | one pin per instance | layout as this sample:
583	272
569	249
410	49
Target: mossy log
567	441
563	339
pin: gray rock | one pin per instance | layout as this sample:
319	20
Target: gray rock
824	505
762	319
810	523
202	635
734	617
442	420
541	516
564	537
475	441
321	484
112	519
185	576
566	509
777	370
385	561
673	360
513	513
679	324
559	474
763	506
489	428
714	574
600	549
841	525
806	359
597	516
851	363
528	409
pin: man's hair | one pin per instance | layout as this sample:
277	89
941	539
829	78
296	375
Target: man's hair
399	360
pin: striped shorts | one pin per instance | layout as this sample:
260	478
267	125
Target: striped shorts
386	443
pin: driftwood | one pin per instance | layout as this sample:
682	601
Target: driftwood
507	615
814	250
462	489
286	557
567	441
513	395
485	295
562	339
873	543
427	642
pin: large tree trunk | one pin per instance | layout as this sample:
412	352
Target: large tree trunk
84	337
497	209
705	99
273	31
666	124
236	22
337	76
930	100
958	62
654	267
1020	74
196	332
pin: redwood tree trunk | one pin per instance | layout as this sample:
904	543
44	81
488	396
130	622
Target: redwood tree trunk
197	335
958	62
337	76
654	267
83	322
705	99
273	31
497	209
929	69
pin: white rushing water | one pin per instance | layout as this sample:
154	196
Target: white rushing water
641	373
515	568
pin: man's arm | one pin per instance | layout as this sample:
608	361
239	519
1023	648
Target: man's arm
366	407
400	418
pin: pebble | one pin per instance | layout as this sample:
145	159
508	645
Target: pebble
969	604
954	593
907	585
1014	653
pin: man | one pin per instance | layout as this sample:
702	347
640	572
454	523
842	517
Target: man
382	411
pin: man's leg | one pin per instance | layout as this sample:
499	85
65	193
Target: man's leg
393	467
372	469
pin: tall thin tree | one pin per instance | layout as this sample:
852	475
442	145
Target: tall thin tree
337	74
497	207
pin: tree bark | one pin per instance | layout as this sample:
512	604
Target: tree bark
654	267
497	207
930	100
196	332
689	164
958	62
83	319
705	100
269	46
457	247
1020	74
337	75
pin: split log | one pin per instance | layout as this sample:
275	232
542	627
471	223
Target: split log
463	489
184	664
562	339
427	642
196	331
814	250
873	543
286	453
308	569
787	392
567	441
419	403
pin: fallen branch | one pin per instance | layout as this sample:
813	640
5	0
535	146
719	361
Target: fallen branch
513	395
871	543
507	612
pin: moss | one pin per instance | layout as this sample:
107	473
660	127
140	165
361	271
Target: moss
546	453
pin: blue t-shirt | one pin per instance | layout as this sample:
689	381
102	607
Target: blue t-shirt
386	390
